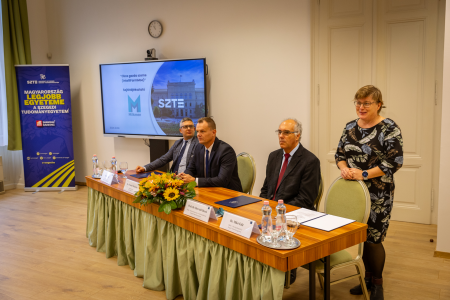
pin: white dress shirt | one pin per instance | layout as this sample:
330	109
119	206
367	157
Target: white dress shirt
204	160
182	167
290	157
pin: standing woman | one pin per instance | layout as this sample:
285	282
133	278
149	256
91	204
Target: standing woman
371	149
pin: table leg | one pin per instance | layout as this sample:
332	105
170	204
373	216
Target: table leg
287	279
312	280
326	275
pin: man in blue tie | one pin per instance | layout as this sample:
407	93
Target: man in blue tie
214	164
180	152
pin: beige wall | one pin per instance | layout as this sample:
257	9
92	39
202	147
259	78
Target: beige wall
37	18
258	54
259	58
443	222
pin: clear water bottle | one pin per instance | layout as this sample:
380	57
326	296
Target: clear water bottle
266	222
96	173
281	219
114	167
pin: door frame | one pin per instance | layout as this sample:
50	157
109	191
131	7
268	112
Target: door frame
315	94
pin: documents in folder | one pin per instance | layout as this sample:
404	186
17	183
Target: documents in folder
238	201
145	175
328	222
304	214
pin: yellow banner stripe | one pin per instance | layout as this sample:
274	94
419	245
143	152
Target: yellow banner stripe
69	179
50	181
57	183
51	174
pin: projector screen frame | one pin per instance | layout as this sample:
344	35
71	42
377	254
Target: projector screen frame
137	136
143	136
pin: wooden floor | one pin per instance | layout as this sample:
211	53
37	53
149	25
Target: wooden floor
44	254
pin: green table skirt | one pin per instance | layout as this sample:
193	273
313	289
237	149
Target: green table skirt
173	259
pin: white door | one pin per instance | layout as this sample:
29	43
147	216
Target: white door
391	44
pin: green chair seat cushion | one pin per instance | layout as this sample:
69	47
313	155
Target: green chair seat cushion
245	172
336	259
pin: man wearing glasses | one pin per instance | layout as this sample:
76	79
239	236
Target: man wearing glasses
181	152
292	172
214	162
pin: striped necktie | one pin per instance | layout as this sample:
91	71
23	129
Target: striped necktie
283	169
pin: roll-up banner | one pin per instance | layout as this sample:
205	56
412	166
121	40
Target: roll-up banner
46	122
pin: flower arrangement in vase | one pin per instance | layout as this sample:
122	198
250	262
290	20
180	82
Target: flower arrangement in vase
166	189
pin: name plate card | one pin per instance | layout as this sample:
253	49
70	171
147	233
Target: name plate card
239	225
108	178
131	186
199	211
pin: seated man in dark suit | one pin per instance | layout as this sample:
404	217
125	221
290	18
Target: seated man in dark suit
214	163
180	152
292	172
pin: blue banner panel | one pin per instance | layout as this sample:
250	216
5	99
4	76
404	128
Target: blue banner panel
46	122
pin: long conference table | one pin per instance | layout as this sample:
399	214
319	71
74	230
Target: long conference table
315	244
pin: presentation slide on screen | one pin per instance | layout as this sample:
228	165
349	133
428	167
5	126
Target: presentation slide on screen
151	98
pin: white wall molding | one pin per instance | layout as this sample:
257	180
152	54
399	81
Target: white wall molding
443	222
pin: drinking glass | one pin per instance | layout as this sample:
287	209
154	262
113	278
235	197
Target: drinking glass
291	229
275	233
107	165
123	167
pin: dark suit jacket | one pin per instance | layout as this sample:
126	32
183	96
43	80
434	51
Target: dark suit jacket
223	168
300	183
173	153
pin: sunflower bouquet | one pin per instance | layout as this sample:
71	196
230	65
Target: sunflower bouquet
165	189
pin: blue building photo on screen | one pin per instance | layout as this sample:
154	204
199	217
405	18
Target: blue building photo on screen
178	91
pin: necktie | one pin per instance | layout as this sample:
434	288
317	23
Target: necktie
283	169
207	163
177	163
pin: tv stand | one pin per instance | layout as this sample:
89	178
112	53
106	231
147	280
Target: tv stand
157	149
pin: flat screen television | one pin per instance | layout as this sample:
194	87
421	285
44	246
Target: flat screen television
149	99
